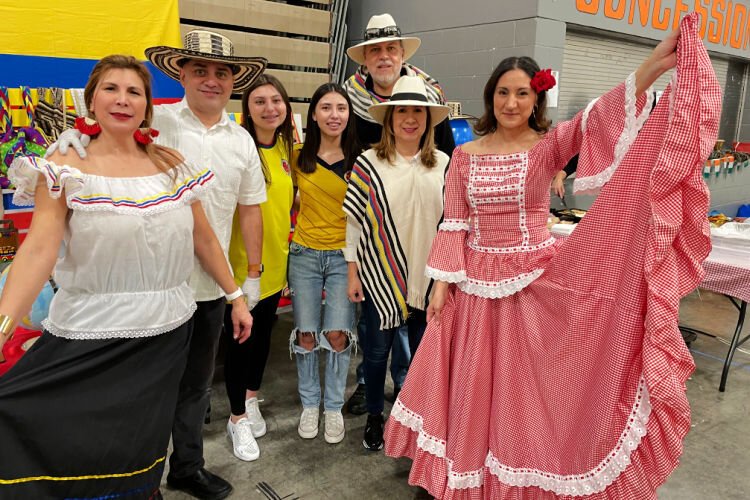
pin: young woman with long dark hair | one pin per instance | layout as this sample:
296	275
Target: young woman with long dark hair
316	261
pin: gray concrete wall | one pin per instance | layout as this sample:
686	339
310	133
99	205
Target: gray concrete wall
421	16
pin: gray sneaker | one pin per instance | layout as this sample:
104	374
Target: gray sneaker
308	423
257	424
334	426
243	443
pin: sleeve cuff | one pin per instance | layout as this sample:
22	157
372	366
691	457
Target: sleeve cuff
454	225
446	276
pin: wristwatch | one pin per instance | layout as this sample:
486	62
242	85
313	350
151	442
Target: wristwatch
255	268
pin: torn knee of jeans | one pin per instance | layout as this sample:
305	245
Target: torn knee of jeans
296	347
342	342
306	340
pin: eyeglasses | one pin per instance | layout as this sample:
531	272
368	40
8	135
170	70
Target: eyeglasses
388	31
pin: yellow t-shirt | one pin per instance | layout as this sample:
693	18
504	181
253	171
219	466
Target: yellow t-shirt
277	224
321	222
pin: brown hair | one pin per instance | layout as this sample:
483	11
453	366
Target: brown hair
385	149
164	158
537	121
284	130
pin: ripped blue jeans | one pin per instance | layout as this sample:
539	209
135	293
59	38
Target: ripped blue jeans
311	272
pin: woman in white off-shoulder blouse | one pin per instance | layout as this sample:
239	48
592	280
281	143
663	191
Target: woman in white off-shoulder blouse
87	412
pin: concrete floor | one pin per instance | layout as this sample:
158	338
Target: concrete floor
714	465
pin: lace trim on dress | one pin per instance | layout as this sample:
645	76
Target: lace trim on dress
118	334
24	173
517	249
598	478
408	418
499	289
463	480
593	481
453	225
592	184
585	117
448	277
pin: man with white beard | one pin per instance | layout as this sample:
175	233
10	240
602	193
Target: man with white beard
382	60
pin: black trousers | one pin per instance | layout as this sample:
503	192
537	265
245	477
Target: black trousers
245	363
195	390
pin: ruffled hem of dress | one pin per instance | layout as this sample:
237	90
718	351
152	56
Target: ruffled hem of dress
117	334
591	185
24	172
643	463
594	481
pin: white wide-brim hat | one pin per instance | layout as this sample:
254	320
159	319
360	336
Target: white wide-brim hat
207	46
379	29
410	91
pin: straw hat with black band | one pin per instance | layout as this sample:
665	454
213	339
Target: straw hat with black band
382	28
211	47
410	91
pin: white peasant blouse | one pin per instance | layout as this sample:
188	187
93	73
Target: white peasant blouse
128	249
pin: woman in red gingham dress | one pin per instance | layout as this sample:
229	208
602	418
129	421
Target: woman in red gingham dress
555	370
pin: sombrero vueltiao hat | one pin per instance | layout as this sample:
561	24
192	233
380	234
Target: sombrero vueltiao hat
207	46
410	91
379	29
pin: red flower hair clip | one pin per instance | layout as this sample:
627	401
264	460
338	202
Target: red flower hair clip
543	80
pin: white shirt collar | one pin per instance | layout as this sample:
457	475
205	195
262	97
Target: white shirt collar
184	109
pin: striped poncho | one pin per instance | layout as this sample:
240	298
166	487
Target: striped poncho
397	207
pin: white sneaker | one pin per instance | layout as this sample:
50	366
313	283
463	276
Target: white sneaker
257	424
308	423
334	425
243	443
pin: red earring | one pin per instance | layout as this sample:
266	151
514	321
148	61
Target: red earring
145	135
87	126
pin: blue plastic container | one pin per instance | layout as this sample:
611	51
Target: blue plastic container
462	130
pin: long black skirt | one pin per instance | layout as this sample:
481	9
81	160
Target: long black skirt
90	418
